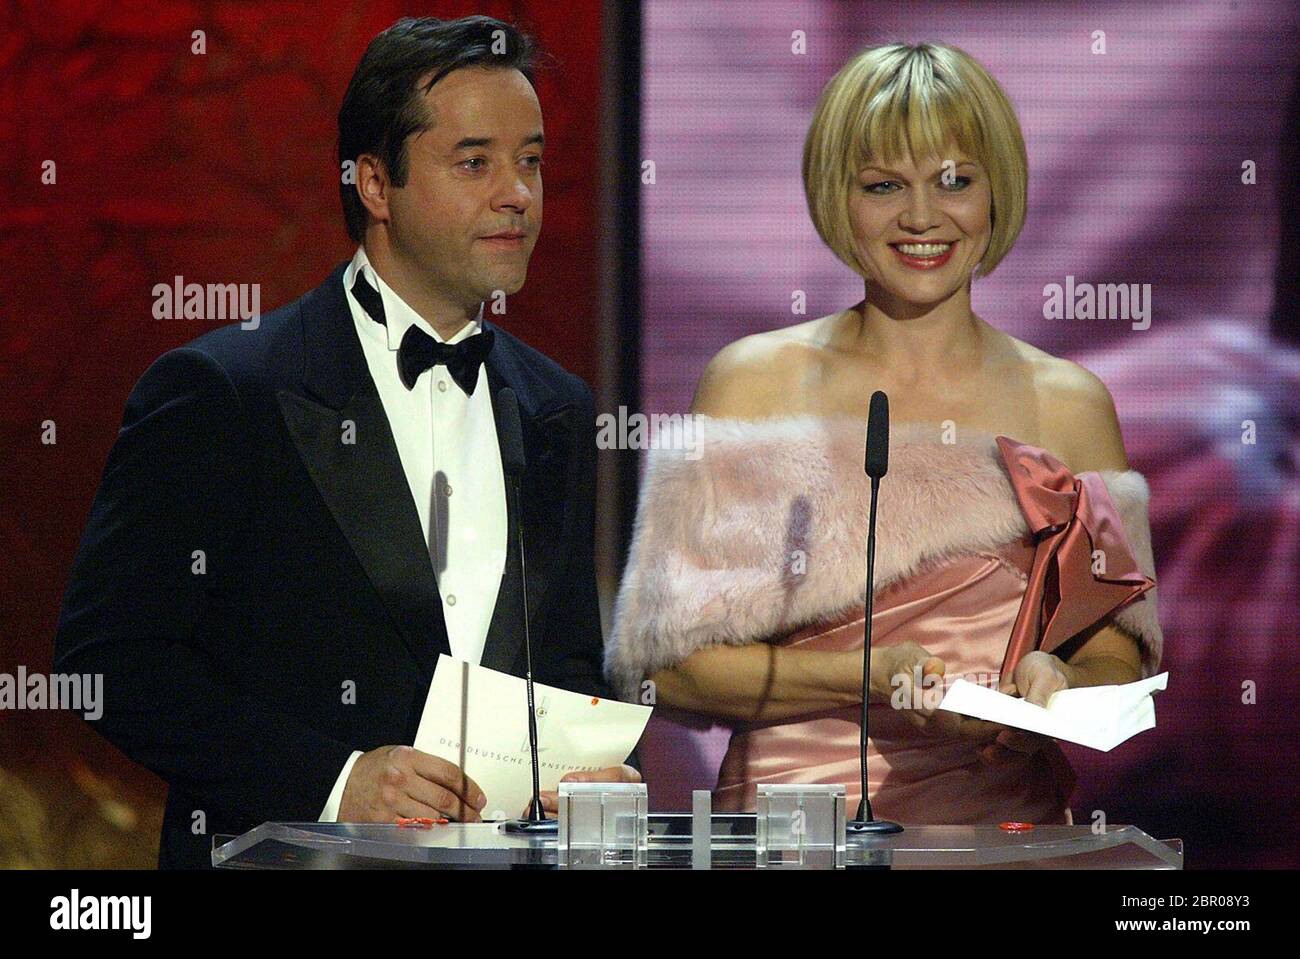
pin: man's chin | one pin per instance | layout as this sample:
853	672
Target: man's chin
506	285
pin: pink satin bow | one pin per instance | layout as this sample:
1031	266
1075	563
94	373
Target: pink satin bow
1071	518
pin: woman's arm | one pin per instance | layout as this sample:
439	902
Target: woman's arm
761	682
1089	435
1110	657
758	681
764	682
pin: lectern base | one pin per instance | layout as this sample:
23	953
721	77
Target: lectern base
872	827
535	827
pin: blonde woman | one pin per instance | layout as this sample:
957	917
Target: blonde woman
1013	543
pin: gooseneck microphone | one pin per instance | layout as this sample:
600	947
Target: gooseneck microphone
877	464
513	464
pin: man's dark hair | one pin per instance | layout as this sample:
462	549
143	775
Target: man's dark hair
383	105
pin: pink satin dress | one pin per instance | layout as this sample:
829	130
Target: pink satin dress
979	613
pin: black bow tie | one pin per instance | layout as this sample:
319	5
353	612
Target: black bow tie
420	351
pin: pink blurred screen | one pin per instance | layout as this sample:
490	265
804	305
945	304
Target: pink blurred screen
1136	158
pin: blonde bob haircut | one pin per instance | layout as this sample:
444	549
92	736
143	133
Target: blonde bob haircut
917	100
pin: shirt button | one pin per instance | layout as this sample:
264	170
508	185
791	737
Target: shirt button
442	386
446	489
451	599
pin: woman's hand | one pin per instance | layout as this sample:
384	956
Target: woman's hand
904	665
1037	676
910	678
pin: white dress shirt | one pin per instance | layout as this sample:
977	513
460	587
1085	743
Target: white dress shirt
447	443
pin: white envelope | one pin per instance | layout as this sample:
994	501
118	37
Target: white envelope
477	718
1098	716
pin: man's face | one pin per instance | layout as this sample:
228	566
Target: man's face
471	208
920	237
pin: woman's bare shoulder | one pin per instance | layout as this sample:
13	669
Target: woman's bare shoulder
1076	411
756	376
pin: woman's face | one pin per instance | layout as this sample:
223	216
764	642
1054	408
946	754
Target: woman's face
920	231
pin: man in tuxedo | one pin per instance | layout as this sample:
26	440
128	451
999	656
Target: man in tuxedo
297	519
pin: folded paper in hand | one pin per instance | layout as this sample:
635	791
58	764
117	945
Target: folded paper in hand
477	718
1098	716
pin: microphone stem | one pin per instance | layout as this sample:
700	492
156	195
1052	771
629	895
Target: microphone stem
864	807
536	814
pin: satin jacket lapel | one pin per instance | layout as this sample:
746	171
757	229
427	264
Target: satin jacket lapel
548	431
362	482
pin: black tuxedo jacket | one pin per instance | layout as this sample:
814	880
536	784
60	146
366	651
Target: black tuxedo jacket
244	567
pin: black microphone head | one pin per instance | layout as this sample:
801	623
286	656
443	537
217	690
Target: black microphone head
512	434
877	463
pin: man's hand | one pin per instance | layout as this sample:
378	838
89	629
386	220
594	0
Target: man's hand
613	774
400	781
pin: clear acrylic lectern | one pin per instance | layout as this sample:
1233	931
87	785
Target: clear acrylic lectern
670	843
